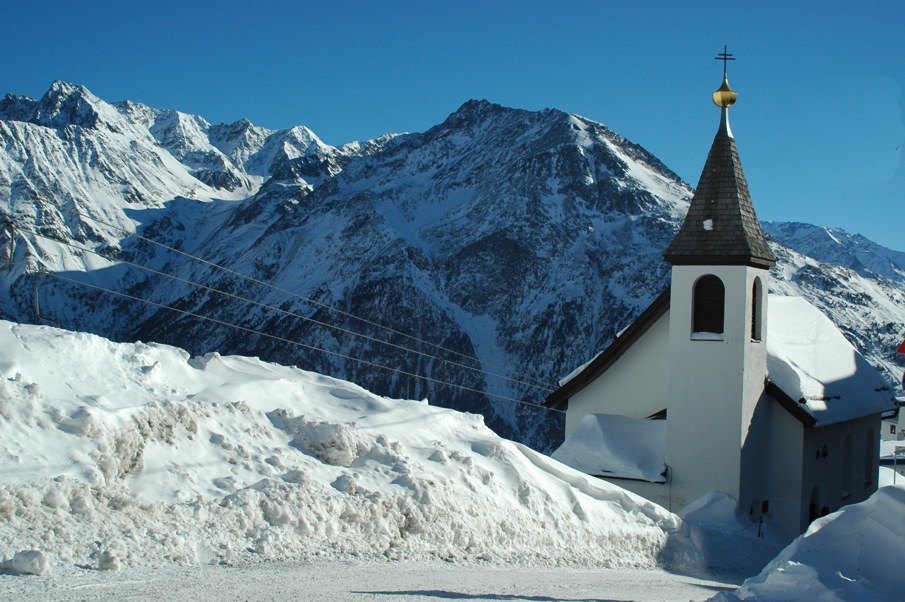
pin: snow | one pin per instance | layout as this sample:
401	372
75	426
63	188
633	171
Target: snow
565	379
616	446
25	562
130	455
135	471
853	554
809	359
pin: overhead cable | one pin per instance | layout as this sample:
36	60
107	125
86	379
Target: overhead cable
283	291
288	313
289	341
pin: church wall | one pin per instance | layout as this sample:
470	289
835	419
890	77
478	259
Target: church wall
784	460
714	385
842	462
754	488
635	386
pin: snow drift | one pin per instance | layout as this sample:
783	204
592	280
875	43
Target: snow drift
853	554
133	454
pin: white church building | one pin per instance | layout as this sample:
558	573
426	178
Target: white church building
718	386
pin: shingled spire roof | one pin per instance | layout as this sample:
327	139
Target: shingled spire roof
721	227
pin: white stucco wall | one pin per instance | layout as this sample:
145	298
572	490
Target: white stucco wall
713	386
783	461
894	428
635	386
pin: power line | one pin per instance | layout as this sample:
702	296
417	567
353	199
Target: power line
301	297
288	341
284	312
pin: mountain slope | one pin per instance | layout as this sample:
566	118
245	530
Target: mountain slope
474	263
832	245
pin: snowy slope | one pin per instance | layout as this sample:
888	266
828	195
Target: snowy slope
835	246
477	262
132	454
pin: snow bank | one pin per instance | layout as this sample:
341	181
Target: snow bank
853	554
26	562
117	455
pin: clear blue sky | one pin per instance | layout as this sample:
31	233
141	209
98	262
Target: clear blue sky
819	121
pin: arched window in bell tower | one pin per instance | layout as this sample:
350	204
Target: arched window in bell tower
708	305
757	292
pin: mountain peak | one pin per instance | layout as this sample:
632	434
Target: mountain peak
473	111
61	88
67	104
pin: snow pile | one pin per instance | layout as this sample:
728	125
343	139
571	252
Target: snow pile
117	455
26	562
617	446
853	554
719	541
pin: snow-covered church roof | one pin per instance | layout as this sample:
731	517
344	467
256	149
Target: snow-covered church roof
811	362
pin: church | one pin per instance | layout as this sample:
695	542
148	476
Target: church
719	386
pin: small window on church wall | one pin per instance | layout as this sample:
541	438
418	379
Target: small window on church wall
709	305
869	452
847	476
757	292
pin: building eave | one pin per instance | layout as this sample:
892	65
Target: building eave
790	405
748	260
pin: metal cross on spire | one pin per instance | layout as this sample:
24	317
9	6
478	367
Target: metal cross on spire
725	57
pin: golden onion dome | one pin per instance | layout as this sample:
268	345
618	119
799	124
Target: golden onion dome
724	97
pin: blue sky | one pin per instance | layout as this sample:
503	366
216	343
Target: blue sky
819	121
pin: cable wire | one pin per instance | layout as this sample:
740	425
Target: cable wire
536	384
289	341
286	312
286	292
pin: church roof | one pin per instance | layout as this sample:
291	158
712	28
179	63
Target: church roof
721	227
613	446
812	363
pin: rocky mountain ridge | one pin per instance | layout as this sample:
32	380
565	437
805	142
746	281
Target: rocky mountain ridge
474	263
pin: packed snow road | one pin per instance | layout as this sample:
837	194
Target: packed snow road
333	580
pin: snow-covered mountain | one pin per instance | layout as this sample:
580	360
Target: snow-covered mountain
476	262
832	245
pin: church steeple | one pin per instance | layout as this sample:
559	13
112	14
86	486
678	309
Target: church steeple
721	227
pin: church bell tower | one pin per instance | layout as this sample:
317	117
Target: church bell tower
717	323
